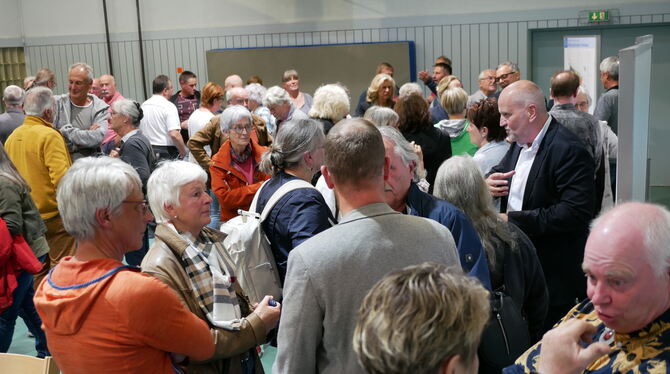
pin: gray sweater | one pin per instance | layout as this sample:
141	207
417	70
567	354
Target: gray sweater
81	141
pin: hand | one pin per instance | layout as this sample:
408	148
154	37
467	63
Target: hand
184	124
562	352
424	76
115	152
503	216
268	314
94	126
498	183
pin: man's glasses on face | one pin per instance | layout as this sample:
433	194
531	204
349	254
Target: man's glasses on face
504	76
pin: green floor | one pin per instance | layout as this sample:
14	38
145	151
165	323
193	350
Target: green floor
22	344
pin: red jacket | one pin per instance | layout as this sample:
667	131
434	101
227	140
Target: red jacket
230	185
15	257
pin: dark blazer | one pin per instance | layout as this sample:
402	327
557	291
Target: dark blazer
557	208
436	147
137	152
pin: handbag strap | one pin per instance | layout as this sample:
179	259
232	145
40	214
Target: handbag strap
281	192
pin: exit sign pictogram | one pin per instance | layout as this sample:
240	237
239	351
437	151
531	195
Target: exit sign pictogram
599	16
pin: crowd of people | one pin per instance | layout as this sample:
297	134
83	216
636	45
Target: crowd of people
407	233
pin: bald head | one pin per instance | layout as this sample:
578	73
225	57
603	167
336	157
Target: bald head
522	111
233	81
525	93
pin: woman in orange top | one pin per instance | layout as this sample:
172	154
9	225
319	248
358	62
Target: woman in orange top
234	169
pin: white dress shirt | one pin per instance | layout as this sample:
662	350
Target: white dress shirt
523	166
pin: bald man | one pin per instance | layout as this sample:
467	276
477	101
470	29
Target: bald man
109	95
545	182
232	81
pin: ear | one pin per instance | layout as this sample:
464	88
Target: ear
412	166
327	177
484	131
170	209
451	365
307	157
103	217
532	111
387	167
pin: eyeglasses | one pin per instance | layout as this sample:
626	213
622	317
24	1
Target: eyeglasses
144	207
240	129
504	76
491	78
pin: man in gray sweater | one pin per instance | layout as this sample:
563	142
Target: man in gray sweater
329	274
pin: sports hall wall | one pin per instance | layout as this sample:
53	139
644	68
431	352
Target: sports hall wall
177	33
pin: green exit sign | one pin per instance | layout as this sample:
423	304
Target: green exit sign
599	16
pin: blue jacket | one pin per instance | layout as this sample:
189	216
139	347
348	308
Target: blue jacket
298	216
470	251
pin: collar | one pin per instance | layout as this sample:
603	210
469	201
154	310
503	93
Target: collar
368	211
112	99
538	139
35	120
566	106
13	110
613	88
129	134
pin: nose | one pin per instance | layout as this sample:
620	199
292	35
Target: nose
148	216
599	293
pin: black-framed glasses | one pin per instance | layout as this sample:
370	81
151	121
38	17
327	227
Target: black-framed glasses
504	76
144	206
240	129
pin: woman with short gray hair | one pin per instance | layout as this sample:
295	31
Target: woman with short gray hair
295	155
278	101
382	116
513	262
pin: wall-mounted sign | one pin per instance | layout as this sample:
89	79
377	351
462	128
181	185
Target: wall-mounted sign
599	16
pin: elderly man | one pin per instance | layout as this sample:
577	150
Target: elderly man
404	196
232	81
11	119
551	194
39	153
507	73
109	95
161	121
607	107
487	87
281	106
627	267
81	117
330	273
187	100
95	88
564	87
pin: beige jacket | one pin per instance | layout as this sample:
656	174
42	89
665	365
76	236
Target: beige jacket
162	263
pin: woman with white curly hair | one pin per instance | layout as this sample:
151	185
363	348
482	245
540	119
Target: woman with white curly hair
330	105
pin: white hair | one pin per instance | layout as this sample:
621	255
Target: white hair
37	101
382	116
92	184
129	108
164	185
610	65
512	66
276	96
13	96
233	114
402	148
409	89
234	91
256	92
83	66
582	89
331	101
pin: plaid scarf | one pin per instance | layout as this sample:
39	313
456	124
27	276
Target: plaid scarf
211	281
241	158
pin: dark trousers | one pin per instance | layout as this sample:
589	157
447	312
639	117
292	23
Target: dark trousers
165	152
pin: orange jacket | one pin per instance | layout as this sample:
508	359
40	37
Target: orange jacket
230	185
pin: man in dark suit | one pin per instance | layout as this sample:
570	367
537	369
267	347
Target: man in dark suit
545	181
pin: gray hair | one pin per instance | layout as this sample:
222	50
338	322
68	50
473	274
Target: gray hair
13	96
293	139
460	181
233	114
129	108
331	101
402	148
482	74
83	66
92	184
276	96
410	88
37	101
28	82
234	90
382	116
512	65
582	89
164	185
256	92
610	65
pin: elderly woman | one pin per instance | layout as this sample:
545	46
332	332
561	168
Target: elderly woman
291	84
379	93
189	257
487	134
296	154
415	125
234	168
331	104
382	116
256	94
281	106
135	150
513	262
97	312
454	101
45	78
19	217
437	304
